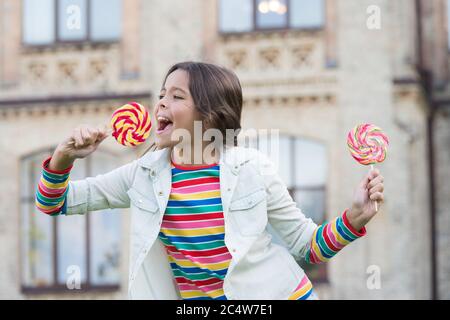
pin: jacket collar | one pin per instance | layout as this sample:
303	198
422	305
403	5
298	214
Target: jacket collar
233	157
155	160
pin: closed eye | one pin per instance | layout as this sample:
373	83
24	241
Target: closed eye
175	97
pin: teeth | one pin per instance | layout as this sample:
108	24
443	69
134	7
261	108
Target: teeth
163	119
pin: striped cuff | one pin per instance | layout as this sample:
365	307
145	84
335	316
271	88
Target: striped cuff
330	238
52	190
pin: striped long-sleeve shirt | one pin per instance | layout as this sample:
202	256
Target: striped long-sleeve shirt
329	238
52	190
193	230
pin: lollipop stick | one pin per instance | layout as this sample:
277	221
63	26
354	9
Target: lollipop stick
376	203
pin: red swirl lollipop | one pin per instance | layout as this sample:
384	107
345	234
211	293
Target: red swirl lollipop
131	124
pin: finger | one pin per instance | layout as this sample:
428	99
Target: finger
87	139
95	131
101	138
77	138
377	196
94	134
103	133
378	188
374	173
365	182
375	181
91	135
96	137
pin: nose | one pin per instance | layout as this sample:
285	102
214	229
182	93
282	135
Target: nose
161	104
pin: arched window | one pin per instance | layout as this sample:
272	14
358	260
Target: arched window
81	249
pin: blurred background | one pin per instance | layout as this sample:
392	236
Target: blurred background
311	68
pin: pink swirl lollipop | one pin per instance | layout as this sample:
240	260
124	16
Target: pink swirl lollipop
368	145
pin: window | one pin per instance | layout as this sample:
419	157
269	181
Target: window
46	22
302	165
38	22
53	249
236	15
72	24
251	15
271	14
306	13
105	20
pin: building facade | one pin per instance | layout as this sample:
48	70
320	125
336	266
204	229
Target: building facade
312	69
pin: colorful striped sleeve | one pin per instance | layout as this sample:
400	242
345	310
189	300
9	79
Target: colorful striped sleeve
52	190
330	238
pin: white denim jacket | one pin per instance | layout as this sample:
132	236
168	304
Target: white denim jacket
253	195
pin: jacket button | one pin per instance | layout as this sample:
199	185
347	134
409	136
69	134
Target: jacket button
160	193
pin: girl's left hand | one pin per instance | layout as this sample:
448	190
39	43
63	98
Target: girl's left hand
369	190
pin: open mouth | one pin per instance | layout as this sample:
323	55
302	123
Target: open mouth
164	124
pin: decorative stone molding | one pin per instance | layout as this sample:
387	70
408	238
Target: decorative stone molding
269	58
280	68
329	99
302	55
37	72
74	106
41	110
256	52
91	70
238	58
98	69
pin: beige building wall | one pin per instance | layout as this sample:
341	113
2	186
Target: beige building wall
315	84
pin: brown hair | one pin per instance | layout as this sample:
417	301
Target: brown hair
217	95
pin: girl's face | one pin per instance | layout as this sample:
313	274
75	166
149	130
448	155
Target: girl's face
175	109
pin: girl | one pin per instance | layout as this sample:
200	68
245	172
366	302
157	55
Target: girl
198	227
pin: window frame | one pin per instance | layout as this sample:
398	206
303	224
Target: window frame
57	42
56	286
256	29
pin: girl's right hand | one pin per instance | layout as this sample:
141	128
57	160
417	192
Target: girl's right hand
83	141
